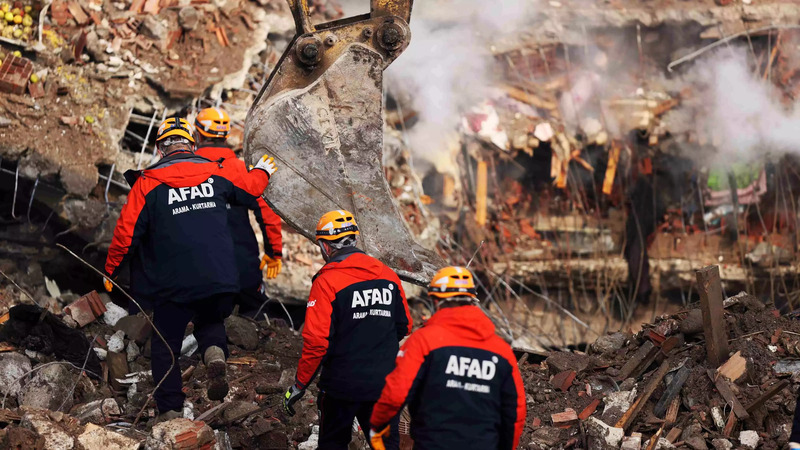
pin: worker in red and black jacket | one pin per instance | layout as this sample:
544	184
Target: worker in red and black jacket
356	315
459	379
174	232
212	126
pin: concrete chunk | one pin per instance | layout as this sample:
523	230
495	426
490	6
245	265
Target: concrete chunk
749	438
241	332
113	313
101	438
12	367
42	423
48	388
721	444
603	436
98	411
135	327
609	343
180	434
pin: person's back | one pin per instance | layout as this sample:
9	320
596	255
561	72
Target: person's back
357	313
174	229
459	379
368	318
245	243
469	370
182	254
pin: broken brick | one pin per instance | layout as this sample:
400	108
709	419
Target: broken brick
563	380
564	419
78	13
184	434
775	337
14	74
59	12
36	89
86	309
657	338
589	410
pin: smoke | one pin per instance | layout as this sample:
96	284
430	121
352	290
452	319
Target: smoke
741	112
448	65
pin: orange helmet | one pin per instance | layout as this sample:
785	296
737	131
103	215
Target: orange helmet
453	281
336	224
213	123
175	126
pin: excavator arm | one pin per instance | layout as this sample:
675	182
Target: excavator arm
321	116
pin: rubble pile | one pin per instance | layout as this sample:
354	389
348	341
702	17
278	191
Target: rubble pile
80	378
656	389
101	74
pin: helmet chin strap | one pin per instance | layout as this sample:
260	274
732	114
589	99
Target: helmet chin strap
324	249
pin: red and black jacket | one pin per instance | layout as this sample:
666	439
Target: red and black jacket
245	244
356	315
461	383
174	228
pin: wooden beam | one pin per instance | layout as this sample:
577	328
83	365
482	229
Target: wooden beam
654	440
734	368
611	168
672	412
480	193
726	392
627	419
639	361
710	287
671	392
774	389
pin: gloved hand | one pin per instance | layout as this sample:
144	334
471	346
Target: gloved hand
292	396
273	265
376	437
107	284
267	164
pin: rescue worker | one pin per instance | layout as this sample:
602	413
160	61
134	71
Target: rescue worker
173	230
356	315
212	127
459	379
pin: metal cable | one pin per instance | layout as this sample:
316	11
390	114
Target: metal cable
158	333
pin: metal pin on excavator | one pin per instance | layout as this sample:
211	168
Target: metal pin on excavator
321	116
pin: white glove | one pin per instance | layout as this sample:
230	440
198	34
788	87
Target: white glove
267	164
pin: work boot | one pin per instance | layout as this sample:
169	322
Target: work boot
214	358
169	415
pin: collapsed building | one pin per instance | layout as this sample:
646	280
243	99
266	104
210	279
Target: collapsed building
617	150
587	186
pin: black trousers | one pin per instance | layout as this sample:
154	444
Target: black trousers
251	301
336	423
795	436
170	318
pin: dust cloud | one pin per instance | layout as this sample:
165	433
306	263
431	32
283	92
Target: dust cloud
744	114
447	67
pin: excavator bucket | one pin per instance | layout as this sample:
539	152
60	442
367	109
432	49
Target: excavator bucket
321	116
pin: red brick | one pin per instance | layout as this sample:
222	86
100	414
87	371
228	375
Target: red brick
36	89
563	380
589	410
564	419
14	74
655	337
